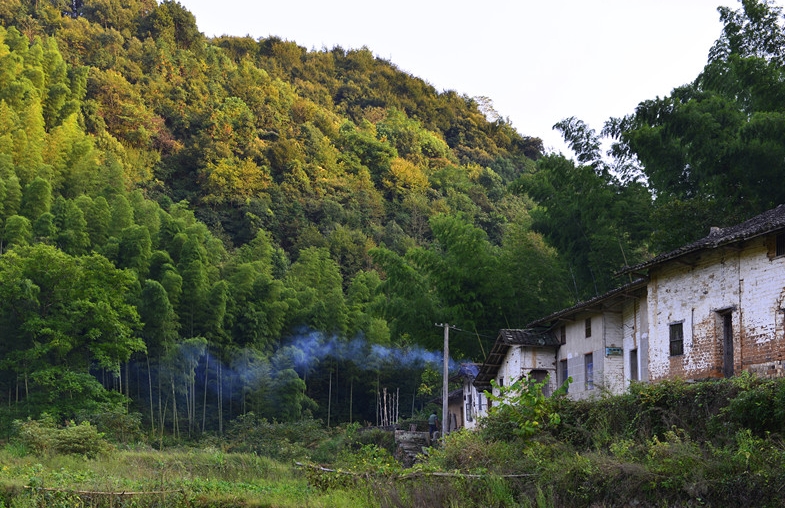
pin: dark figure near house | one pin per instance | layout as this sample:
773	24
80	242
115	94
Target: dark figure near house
433	424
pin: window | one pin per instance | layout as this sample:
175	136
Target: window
677	339
780	245
588	364
563	372
588	327
563	335
634	365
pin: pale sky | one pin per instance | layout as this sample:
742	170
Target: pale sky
539	61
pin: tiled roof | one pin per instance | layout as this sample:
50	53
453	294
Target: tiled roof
506	339
540	334
762	224
621	291
527	337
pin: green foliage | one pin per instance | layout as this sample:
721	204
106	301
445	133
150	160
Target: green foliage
44	437
282	441
709	147
597	224
369	458
60	312
189	477
162	190
474	452
667	443
522	408
378	438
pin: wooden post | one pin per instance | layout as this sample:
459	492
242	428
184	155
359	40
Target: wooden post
445	376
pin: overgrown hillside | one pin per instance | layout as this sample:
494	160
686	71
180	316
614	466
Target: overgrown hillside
205	228
196	229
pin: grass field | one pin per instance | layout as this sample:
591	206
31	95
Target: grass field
191	478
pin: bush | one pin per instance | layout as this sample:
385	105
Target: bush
44	437
282	441
521	409
383	439
119	425
468	451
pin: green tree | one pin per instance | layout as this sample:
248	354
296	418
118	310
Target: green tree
195	287
63	315
13	197
360	147
596	223
17	231
542	284
98	216
366	304
255	380
711	148
44	228
158	317
37	198
174	24
410	306
73	157
72	236
257	307
159	332
461	266
122	215
318	284
135	249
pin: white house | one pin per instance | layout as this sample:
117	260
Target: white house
474	402
602	342
519	354
712	308
717	306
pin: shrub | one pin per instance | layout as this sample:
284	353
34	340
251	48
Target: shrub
468	451
119	425
283	441
521	409
44	437
378	437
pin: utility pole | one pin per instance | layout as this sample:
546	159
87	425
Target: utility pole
445	375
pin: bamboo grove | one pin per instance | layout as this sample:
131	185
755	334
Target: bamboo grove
195	229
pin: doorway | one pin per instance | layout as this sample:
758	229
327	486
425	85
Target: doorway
727	344
539	376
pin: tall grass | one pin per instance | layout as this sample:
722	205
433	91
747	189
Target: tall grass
715	443
171	478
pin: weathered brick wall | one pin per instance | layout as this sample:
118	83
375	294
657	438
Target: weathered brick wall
748	283
762	289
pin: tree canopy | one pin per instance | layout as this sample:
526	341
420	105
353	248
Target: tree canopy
197	228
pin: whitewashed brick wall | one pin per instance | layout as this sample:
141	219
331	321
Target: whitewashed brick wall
748	282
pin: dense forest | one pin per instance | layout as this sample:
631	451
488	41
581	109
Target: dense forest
194	229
